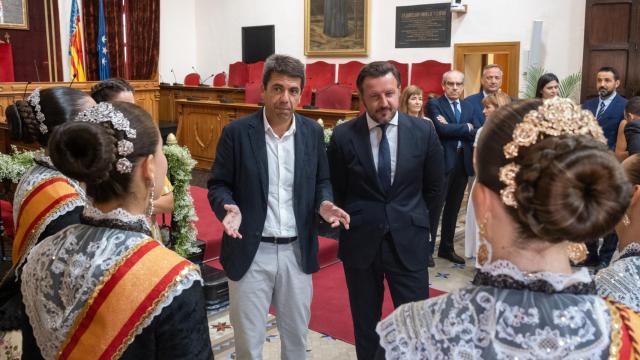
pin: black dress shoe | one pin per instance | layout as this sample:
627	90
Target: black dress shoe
430	262
451	256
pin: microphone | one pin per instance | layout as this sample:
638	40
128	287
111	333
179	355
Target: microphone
202	83
35	66
75	75
175	81
24	94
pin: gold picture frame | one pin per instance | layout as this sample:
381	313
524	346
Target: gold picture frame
14	15
345	33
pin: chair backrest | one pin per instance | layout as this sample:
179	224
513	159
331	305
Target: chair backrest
253	93
305	97
404	73
348	73
220	79
238	74
428	76
320	74
192	79
6	62
254	72
334	97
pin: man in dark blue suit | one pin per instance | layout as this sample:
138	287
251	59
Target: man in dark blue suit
608	108
457	129
491	81
387	172
269	181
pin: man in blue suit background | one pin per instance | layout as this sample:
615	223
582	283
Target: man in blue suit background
456	127
491	81
608	108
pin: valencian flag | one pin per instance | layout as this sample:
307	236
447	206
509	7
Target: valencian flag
103	53
75	44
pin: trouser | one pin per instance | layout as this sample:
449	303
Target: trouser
366	293
274	278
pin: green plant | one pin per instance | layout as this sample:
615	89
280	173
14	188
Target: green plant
567	88
184	233
14	165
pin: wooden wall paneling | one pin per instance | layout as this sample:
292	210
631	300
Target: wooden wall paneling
612	29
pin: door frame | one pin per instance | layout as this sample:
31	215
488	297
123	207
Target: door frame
511	48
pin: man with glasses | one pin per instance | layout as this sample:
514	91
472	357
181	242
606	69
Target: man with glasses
456	128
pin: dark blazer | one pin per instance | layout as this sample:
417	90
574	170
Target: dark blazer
632	134
475	101
610	119
239	176
404	210
452	132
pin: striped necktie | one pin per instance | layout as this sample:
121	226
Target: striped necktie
600	110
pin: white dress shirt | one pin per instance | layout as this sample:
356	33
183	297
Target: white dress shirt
375	135
280	220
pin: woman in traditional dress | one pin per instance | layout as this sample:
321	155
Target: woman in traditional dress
45	200
621	280
104	288
546	180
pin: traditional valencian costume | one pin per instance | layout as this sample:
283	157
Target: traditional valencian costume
621	280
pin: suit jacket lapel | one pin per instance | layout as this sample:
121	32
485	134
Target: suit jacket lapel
259	147
362	146
445	106
300	154
405	144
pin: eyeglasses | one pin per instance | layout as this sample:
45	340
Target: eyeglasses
452	84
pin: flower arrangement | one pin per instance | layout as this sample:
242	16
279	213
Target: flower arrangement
328	131
184	233
14	165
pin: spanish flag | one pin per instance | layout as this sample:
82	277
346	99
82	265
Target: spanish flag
75	45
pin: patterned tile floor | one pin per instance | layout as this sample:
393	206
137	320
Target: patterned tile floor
446	276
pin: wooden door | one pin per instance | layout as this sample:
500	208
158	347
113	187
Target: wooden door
611	39
506	52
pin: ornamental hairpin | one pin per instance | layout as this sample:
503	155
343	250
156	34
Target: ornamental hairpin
554	117
34	101
104	112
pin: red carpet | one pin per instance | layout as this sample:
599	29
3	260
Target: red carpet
330	311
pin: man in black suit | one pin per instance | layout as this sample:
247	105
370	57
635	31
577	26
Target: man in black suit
269	180
457	129
386	171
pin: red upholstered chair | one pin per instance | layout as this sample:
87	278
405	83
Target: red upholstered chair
254	72
305	98
238	74
404	73
253	93
428	76
334	97
220	79
6	61
192	79
348	73
320	74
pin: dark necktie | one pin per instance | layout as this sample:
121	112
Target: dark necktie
384	159
456	112
600	110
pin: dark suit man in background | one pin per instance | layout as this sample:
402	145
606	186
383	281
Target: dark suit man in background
608	109
270	179
386	171
491	81
457	129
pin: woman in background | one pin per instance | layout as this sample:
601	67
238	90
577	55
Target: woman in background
411	102
105	288
491	103
548	86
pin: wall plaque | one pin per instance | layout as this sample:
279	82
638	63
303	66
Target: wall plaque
423	26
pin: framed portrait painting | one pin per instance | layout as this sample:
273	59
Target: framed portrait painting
14	14
336	27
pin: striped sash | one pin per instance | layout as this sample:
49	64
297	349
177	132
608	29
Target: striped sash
128	294
35	210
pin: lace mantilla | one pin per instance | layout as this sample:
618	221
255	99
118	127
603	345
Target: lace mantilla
555	282
489	323
630	250
621	280
63	271
117	218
